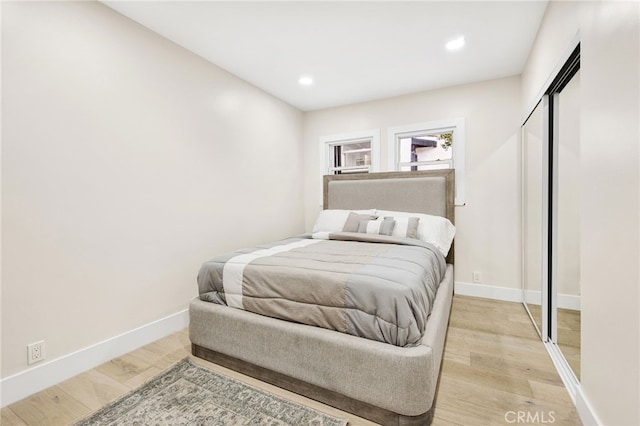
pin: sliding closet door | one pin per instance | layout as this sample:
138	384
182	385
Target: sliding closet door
566	223
551	218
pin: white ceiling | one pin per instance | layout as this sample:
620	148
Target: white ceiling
355	51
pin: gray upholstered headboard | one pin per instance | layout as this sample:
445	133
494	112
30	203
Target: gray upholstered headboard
430	192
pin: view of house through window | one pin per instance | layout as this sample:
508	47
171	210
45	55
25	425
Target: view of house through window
426	151
351	157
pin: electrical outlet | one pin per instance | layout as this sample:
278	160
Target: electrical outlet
477	277
35	352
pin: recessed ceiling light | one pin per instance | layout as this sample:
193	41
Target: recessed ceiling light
305	80
456	43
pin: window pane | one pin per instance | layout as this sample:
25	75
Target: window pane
432	147
354	154
357	152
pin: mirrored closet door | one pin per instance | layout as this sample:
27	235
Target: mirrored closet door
533	207
566	223
551	218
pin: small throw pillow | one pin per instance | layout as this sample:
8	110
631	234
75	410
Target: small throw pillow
354	219
381	227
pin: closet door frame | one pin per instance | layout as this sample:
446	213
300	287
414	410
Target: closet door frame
566	73
547	214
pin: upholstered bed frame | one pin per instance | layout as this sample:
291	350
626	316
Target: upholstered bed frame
386	384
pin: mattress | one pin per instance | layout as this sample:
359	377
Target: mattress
377	287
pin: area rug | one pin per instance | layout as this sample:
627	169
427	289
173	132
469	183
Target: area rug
187	394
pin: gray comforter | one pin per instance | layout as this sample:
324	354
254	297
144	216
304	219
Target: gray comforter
377	287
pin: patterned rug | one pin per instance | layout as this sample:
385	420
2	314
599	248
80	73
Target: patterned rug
187	394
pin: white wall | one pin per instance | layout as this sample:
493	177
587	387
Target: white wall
610	89
609	191
560	26
487	238
126	162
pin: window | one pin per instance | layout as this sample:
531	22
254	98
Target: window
350	153
430	146
426	152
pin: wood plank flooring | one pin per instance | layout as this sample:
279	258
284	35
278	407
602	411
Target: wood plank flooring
568	334
494	368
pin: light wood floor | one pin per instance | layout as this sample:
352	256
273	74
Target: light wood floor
568	334
494	366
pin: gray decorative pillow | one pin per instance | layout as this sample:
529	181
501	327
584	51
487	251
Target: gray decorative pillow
354	219
381	227
412	227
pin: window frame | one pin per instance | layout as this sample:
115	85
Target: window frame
327	143
456	125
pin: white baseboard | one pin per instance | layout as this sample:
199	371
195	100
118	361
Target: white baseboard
28	382
569	301
585	410
565	301
488	291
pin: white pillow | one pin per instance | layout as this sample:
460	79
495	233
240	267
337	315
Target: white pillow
436	230
334	220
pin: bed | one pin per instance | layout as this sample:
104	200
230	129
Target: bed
386	383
